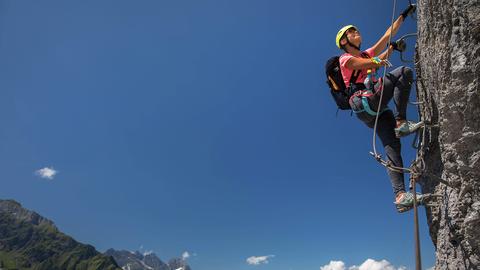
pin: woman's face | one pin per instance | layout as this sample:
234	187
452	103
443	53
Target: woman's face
354	36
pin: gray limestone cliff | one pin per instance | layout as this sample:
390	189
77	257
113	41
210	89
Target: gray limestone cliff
448	69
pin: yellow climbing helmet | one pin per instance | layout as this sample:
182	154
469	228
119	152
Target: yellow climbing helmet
342	31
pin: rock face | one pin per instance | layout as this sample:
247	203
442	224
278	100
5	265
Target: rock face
178	264
448	71
136	261
30	241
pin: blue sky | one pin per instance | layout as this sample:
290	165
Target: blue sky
199	126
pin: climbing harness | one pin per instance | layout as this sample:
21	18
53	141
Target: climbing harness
371	87
363	96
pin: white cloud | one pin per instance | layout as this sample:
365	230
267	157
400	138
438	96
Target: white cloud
256	260
46	173
185	255
369	264
334	265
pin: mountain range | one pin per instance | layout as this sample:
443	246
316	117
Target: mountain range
149	261
30	241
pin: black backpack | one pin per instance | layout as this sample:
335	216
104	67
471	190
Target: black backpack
339	91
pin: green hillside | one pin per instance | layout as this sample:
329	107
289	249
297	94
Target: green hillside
29	241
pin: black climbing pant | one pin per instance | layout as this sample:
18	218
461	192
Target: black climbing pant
397	86
385	131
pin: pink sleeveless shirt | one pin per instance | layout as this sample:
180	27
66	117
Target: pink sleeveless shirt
347	73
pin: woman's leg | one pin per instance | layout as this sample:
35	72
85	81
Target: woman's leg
385	131
398	84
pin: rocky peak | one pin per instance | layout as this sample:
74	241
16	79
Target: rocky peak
16	210
178	264
137	261
153	261
30	241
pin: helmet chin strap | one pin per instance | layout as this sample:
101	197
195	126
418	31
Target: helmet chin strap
354	46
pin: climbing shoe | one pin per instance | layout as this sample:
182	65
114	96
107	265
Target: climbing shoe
407	127
406	202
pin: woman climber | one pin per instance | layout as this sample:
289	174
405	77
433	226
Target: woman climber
366	97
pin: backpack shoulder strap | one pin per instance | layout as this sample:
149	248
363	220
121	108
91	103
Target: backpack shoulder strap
356	73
